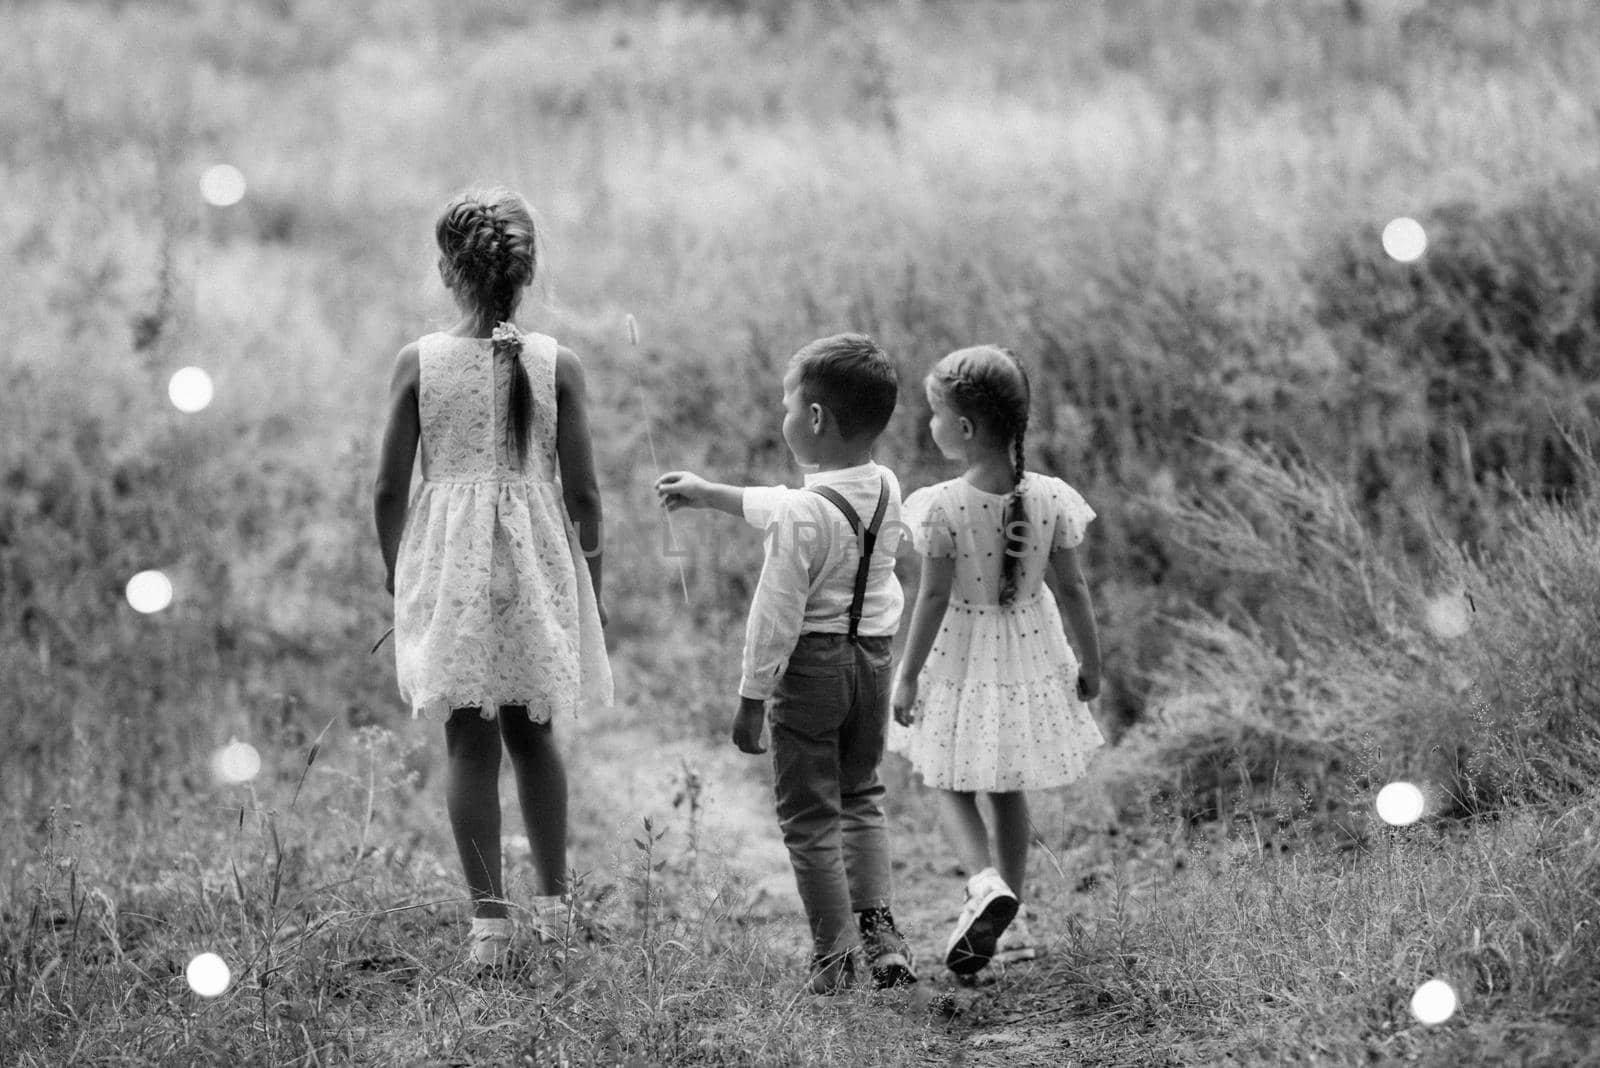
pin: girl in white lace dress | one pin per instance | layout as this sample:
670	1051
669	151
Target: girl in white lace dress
989	696
495	561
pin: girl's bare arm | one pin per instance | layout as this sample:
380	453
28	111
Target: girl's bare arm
933	597
1076	606
575	454
397	456
908	569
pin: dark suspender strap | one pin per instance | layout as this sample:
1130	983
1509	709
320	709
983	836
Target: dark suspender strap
867	539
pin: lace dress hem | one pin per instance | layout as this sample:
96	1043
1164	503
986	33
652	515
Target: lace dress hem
540	709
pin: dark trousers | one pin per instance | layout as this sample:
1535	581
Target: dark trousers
830	715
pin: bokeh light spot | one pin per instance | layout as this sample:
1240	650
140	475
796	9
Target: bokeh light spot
222	185
1400	804
208	975
1448	616
1434	1002
190	389
149	591
236	762
1404	239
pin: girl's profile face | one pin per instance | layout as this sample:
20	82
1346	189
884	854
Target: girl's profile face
797	420
945	426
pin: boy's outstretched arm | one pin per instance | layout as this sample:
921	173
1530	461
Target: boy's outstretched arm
685	489
1073	592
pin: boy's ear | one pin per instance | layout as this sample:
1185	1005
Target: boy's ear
968	431
818	418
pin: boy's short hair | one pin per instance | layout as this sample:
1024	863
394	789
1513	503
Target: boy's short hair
849	375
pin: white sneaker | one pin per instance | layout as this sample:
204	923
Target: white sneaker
989	908
489	941
1017	944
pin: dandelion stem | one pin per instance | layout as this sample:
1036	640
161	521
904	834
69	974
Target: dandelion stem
650	438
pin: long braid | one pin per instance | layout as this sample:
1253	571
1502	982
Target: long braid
989	384
489	245
508	342
519	401
1017	528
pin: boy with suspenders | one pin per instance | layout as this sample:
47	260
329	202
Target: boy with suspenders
817	641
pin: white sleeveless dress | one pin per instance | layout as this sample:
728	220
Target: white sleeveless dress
493	603
997	705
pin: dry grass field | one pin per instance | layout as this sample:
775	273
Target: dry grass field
1347	506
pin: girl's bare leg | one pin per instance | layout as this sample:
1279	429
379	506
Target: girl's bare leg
1013	834
472	795
542	790
964	824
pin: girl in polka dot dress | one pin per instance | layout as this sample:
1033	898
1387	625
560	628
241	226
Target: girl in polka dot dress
989	696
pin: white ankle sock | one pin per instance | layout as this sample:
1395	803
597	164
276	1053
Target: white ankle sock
490	939
549	916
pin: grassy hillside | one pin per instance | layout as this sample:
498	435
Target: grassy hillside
1304	454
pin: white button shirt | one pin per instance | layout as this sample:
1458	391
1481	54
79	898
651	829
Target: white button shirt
808	577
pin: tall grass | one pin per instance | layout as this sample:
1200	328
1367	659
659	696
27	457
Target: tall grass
1469	670
1277	958
344	947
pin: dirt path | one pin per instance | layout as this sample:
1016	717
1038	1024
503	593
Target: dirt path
1049	1012
711	800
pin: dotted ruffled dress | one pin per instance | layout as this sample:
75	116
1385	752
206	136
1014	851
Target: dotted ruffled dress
997	707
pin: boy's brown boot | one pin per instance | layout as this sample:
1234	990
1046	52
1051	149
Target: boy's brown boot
888	954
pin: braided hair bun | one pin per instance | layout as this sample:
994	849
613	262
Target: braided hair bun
487	246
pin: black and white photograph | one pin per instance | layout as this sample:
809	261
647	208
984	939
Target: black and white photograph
992	533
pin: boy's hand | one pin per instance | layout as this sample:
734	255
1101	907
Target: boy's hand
747	723
682	489
1088	683
905	695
